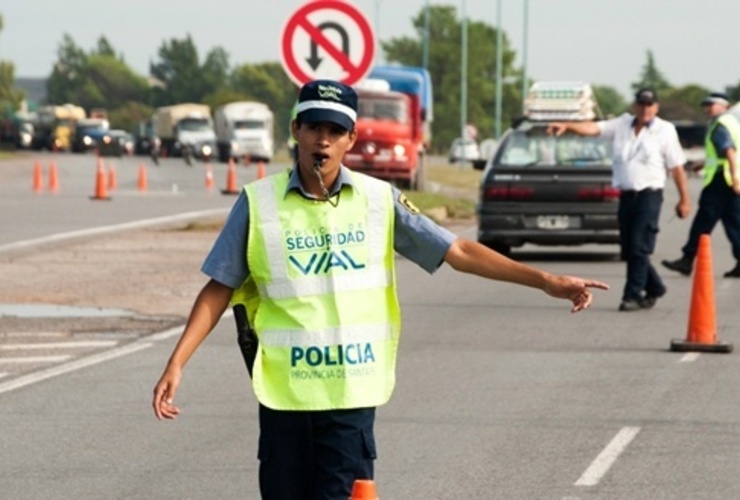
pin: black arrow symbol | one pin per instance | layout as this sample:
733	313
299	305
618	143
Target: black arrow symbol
314	60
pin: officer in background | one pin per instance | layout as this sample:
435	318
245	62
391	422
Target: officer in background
310	254
719	199
645	147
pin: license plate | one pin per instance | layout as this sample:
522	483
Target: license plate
553	221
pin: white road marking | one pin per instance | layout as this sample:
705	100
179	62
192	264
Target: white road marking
76	364
3	374
74	344
607	457
689	357
36	359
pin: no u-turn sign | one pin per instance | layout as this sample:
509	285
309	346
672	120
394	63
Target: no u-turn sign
327	39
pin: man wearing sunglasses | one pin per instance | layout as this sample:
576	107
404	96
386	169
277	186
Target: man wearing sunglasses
646	149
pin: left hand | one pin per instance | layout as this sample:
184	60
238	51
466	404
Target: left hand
577	290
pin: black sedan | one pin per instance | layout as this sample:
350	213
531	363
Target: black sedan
547	190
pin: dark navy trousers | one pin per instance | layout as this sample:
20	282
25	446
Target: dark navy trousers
717	202
314	455
639	212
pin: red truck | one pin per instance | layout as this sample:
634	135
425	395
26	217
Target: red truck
393	125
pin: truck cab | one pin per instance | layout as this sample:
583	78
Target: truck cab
385	146
244	130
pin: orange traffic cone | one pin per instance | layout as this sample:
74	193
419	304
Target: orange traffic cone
112	179
364	489
209	177
260	169
38	178
101	184
231	180
702	330
53	178
143	183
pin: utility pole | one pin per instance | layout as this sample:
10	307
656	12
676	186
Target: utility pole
499	59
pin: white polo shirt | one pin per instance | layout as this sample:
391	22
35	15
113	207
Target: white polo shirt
641	161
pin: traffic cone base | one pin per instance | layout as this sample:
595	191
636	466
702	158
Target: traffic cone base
678	345
701	334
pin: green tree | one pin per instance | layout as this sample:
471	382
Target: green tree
651	76
99	79
267	83
10	97
733	92
68	73
444	68
184	79
683	103
611	102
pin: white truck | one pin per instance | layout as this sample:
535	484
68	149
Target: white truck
185	125
244	129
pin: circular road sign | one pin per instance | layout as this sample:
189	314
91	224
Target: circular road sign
327	39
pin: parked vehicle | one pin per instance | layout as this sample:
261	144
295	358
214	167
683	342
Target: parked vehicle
463	149
185	124
548	190
393	124
244	130
55	125
116	143
691	136
89	133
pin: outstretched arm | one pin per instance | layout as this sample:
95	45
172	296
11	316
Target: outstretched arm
204	315
580	128
472	257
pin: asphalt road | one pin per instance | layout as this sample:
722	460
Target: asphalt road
501	394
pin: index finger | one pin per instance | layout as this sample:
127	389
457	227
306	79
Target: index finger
596	284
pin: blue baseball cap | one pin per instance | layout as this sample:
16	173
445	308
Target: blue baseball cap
327	101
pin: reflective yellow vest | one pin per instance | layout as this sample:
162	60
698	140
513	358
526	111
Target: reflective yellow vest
321	295
712	160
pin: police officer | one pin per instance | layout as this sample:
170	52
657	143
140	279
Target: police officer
719	198
310	254
645	147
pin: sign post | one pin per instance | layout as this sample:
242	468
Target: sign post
327	39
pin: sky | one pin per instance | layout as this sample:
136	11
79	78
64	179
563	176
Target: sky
603	42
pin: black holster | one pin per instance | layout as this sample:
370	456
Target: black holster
245	336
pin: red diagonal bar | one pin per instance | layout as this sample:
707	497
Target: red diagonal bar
318	36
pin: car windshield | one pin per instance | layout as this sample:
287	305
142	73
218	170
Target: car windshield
249	124
193	125
534	147
376	108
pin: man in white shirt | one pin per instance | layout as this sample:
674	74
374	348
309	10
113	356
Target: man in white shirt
646	148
